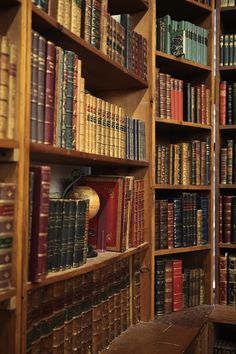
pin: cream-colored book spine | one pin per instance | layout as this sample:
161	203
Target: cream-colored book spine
11	120
99	125
4	85
82	115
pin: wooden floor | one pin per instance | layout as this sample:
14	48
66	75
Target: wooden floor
172	334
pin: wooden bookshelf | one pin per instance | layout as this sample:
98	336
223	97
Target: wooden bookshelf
103	259
117	76
168	131
51	154
8	144
171	251
7	294
112	82
225	24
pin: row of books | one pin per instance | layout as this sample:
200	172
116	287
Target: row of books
227	49
177	287
228	162
63	114
227	103
227	3
186	163
224	346
182	39
182	101
227	279
8	82
181	222
59	228
84	313
206	2
7	229
227	219
113	35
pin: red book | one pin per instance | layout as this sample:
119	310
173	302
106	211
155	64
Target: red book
49	94
108	222
39	228
223	89
177	285
223	280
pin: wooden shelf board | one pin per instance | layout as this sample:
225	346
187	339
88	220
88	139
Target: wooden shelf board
7	294
102	260
180	67
227	8
227	68
228	127
227	245
187	9
55	155
223	314
175	123
164	252
126	6
8	144
180	187
227	186
105	75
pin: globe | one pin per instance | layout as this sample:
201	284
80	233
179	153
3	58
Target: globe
85	192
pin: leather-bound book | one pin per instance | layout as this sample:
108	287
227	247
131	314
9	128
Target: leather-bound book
227	218
12	97
86	20
168	287
96	23
4	84
231	280
223	165
229	106
178	229
177	285
203	118
223	90
223	260
230	149
34	87
202	286
49	94
233	220
69	77
159	286
204	205
39	229
221	219
41	88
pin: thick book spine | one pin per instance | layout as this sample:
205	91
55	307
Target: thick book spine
223	279
231	280
177	285
41	89
229	115
4	85
168	287
221	219
223	90
227	206
223	165
96	23
49	94
233	220
34	87
159	287
11	119
39	231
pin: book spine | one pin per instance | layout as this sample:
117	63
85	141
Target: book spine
231	280
41	88
168	287
177	285
49	93
96	23
37	266
11	119
4	85
223	90
159	287
34	88
227	207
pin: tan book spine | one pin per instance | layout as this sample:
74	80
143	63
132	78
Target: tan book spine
208	106
199	226
75	103
185	164
78	102
4	85
99	125
93	124
11	121
103	125
103	25
107	128
112	131
67	14
82	120
60	11
87	121
75	25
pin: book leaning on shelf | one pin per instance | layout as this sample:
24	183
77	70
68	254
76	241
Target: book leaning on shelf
227	279
182	39
181	101
84	313
8	81
181	222
65	115
177	287
7	229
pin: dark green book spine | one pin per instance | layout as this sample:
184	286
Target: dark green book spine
64	235
95	23
231	49
71	234
57	236
226	49
159	287
51	234
221	50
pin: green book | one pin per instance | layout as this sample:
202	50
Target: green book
178	43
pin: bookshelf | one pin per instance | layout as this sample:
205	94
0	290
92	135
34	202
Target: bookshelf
225	131
118	85
179	130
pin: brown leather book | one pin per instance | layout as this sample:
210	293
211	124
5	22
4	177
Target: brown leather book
49	94
39	229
